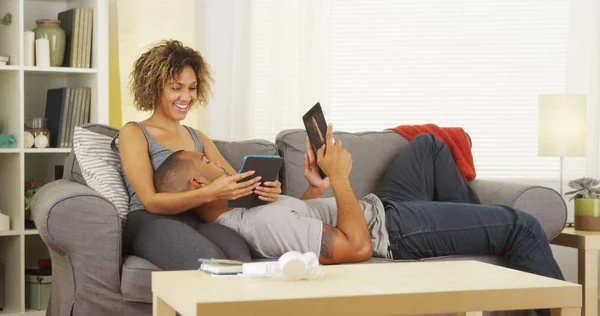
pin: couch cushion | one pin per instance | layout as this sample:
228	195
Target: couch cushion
101	167
136	279
234	152
372	153
72	171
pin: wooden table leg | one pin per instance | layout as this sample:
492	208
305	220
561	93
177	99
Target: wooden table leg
587	272
160	307
569	311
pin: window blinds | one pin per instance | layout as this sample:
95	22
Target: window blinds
475	64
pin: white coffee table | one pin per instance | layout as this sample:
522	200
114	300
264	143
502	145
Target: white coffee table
407	288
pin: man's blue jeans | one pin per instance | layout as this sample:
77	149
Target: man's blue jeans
431	211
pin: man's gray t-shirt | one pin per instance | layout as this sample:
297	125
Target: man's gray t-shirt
292	224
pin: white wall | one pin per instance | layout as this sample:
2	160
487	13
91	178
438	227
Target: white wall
214	39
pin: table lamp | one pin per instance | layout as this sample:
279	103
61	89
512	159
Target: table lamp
561	127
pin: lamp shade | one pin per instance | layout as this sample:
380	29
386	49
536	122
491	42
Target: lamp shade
561	125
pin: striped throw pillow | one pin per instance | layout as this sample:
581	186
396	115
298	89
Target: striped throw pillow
100	167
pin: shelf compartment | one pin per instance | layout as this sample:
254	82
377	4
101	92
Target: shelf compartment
37	85
12	232
40	167
10	34
11	195
10	121
10	248
36	90
35	250
49	9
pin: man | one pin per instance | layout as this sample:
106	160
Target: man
423	209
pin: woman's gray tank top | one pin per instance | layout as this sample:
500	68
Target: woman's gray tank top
158	153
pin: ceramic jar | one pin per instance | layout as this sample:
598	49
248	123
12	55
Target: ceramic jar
51	30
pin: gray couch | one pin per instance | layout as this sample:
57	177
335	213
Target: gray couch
83	234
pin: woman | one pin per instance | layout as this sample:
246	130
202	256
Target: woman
169	80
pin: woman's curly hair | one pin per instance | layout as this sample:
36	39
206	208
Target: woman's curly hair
162	64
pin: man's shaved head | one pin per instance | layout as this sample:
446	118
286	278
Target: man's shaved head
184	171
174	174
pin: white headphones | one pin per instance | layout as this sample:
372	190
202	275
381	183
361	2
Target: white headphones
291	266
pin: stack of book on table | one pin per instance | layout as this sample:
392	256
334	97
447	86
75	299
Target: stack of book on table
220	266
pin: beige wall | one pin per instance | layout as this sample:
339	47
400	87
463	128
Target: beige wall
135	26
114	81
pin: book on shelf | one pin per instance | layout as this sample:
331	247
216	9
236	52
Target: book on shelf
78	26
220	266
65	109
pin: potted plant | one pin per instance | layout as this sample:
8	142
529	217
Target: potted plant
587	203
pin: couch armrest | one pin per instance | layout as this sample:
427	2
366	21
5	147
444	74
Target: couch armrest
544	203
83	233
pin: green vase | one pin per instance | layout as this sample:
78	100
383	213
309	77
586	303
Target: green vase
51	30
587	214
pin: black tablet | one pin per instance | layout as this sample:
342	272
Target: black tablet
316	128
265	166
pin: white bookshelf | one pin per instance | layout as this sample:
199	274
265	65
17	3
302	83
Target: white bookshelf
22	96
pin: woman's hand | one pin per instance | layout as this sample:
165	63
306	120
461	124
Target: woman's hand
311	170
228	188
270	192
